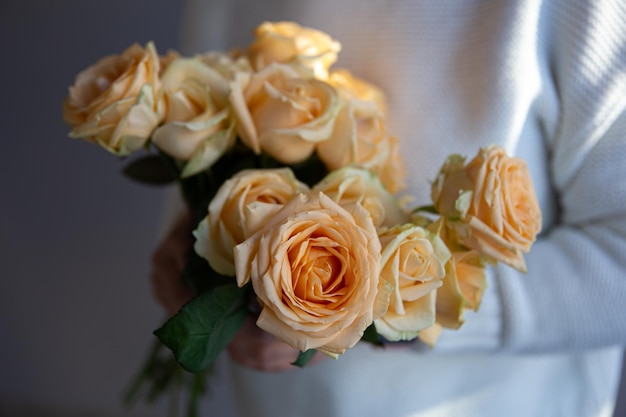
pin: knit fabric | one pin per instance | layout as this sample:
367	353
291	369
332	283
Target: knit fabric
544	79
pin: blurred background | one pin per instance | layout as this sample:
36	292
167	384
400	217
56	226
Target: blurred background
76	308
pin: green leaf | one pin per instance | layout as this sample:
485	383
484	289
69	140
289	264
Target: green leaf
426	209
371	336
150	170
304	358
200	277
204	326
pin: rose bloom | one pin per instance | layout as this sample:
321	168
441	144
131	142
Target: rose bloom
227	64
114	102
315	269
360	135
167	59
412	268
283	114
470	273
352	87
199	126
287	42
463	288
358	185
388	164
240	207
490	204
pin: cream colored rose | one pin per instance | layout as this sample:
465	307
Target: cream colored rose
315	269
463	285
167	59
199	126
240	207
114	102
289	43
462	289
360	137
413	267
352	87
490	204
359	129
388	164
227	64
283	114
357	185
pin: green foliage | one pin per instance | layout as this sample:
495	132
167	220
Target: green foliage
200	277
371	336
151	170
304	358
426	209
204	326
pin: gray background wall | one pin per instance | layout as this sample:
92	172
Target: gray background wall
76	311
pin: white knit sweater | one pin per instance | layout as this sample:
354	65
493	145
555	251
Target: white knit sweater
545	79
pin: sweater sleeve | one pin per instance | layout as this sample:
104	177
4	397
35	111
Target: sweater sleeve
574	295
575	292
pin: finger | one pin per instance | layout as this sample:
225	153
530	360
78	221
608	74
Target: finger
277	357
254	348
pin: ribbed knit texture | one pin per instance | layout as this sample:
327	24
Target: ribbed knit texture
547	80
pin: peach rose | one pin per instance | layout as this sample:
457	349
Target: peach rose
463	288
388	164
314	268
359	129
465	282
360	136
227	64
283	114
469	269
167	59
199	127
114	102
352	87
240	207
287	42
490	205
412	268
357	185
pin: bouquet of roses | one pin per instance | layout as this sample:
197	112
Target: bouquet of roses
293	178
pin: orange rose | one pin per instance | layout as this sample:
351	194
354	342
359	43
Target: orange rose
240	207
357	185
462	288
314	268
289	43
360	135
199	127
227	64
283	114
412	268
489	204
114	102
352	87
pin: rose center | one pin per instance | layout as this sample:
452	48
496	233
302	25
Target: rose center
319	274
